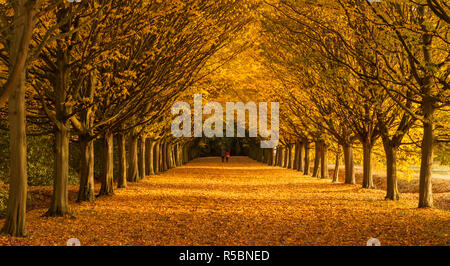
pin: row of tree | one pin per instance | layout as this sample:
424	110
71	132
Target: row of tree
356	72
95	70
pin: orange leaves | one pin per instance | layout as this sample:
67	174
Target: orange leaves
207	202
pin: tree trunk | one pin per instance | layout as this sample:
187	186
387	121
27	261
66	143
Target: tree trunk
391	171
317	155
164	165
156	165
175	154
180	158
296	156
428	106
161	157
289	155
14	89
306	171
167	156
133	168
86	190
272	157
349	164
149	157
336	168
171	153
59	204
367	165
277	156
16	211
20	37
286	157
425	188
324	160
122	179
301	157
141	158
107	187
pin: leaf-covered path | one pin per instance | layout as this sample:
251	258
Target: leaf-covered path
207	202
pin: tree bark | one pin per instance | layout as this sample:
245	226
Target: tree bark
59	204
14	91
175	154
391	171
324	160
149	157
289	155
141	158
306	171
367	165
428	106
269	155
107	188
286	156
179	154
349	164
277	156
157	153
122	179
161	157
296	156
86	189
171	156
168	156
301	157
336	168
22	31
317	155
133	168
15	223
425	187
164	156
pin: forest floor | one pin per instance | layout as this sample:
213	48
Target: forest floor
207	202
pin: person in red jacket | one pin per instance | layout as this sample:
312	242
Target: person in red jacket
227	155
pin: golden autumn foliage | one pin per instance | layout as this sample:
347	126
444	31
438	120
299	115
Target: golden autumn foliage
363	83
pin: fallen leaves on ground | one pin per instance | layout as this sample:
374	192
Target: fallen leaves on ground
207	202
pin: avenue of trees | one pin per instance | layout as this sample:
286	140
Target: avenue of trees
96	70
98	78
359	73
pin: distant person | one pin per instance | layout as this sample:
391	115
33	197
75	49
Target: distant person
227	155
222	154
